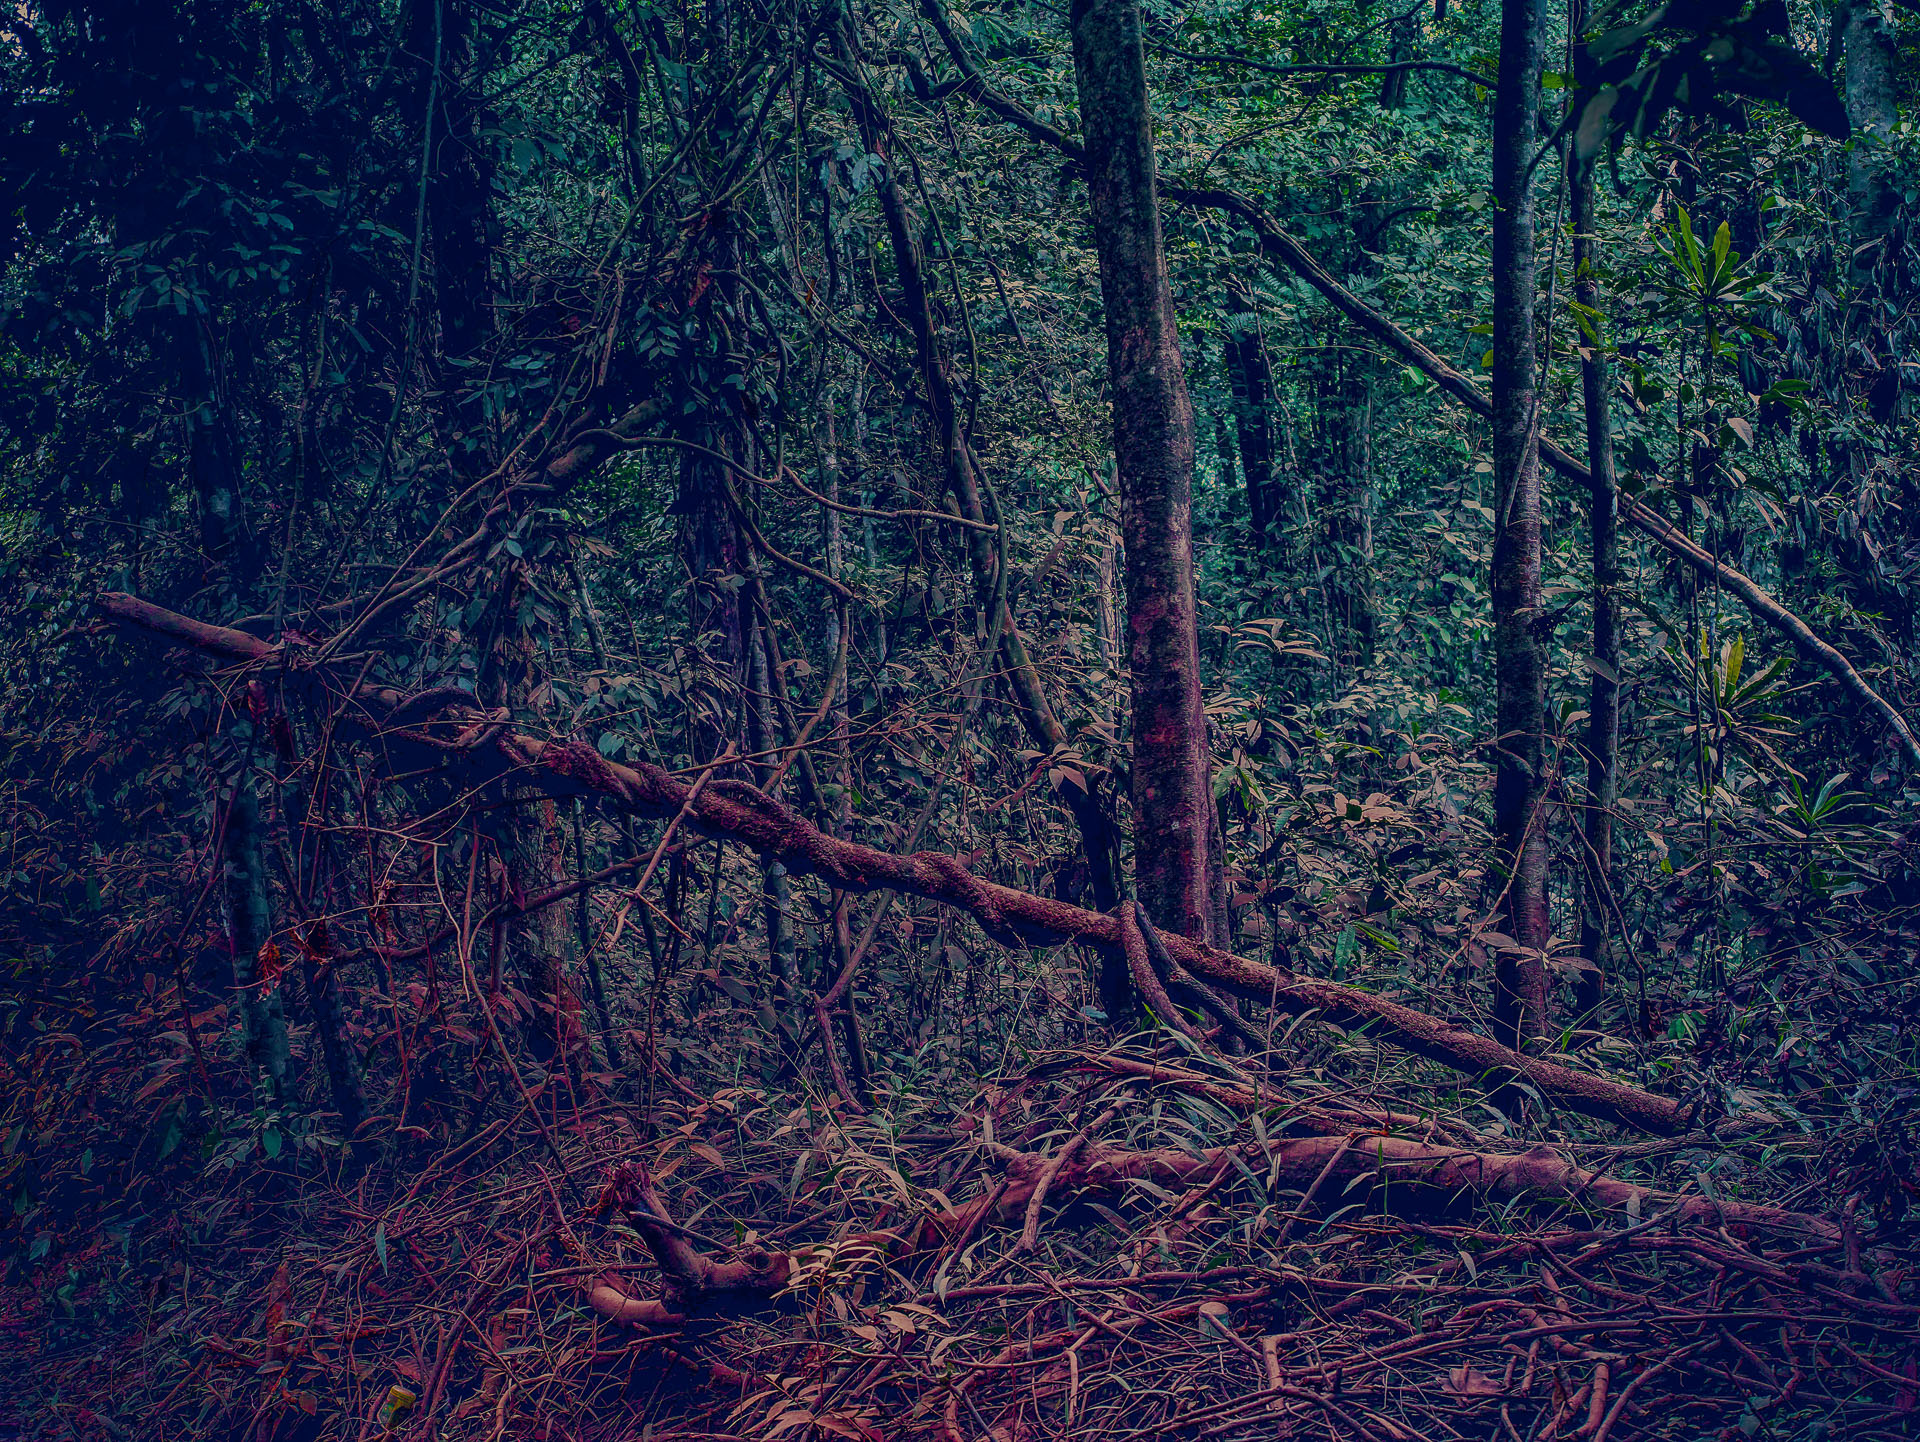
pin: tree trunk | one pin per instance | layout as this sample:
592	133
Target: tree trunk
1603	698
834	544
1351	508
263	1013
1153	444
228	541
530	844
775	887
1250	382
313	886
1872	62
459	205
1520	980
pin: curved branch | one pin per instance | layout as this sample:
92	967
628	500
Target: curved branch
1009	916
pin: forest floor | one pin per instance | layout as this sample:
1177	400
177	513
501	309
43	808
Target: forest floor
1126	1243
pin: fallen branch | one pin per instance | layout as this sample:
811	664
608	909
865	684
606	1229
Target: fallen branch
1405	1177
737	812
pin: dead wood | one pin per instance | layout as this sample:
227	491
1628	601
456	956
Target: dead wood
739	813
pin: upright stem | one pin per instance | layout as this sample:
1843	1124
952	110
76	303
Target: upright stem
263	1014
1153	445
1603	696
1250	381
1086	802
1520	980
1872	89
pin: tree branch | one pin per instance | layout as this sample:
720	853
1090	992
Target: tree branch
1012	917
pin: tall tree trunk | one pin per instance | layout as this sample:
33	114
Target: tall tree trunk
313	886
1250	382
710	549
531	847
1881	295
1520	980
840	815
1153	444
229	542
1603	697
459	207
775	886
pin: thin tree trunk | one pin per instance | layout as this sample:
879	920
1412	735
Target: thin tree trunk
1250	382
840	814
1520	980
1153	445
531	850
459	204
1603	697
313	886
249	918
709	539
775	887
583	925
229	542
1098	841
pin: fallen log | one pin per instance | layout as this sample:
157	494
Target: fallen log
738	812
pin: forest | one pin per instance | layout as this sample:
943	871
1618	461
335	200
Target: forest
959	720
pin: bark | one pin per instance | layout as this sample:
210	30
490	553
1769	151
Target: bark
840	814
1250	382
530	845
1153	447
225	536
710	543
311	856
1603	696
739	813
1520	979
1401	33
319	973
775	889
583	928
459	195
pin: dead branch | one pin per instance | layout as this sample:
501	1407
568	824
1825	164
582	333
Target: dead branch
1009	916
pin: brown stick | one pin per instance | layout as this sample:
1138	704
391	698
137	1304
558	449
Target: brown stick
741	814
1133	943
1408	1175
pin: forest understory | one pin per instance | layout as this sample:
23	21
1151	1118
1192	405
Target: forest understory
970	722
